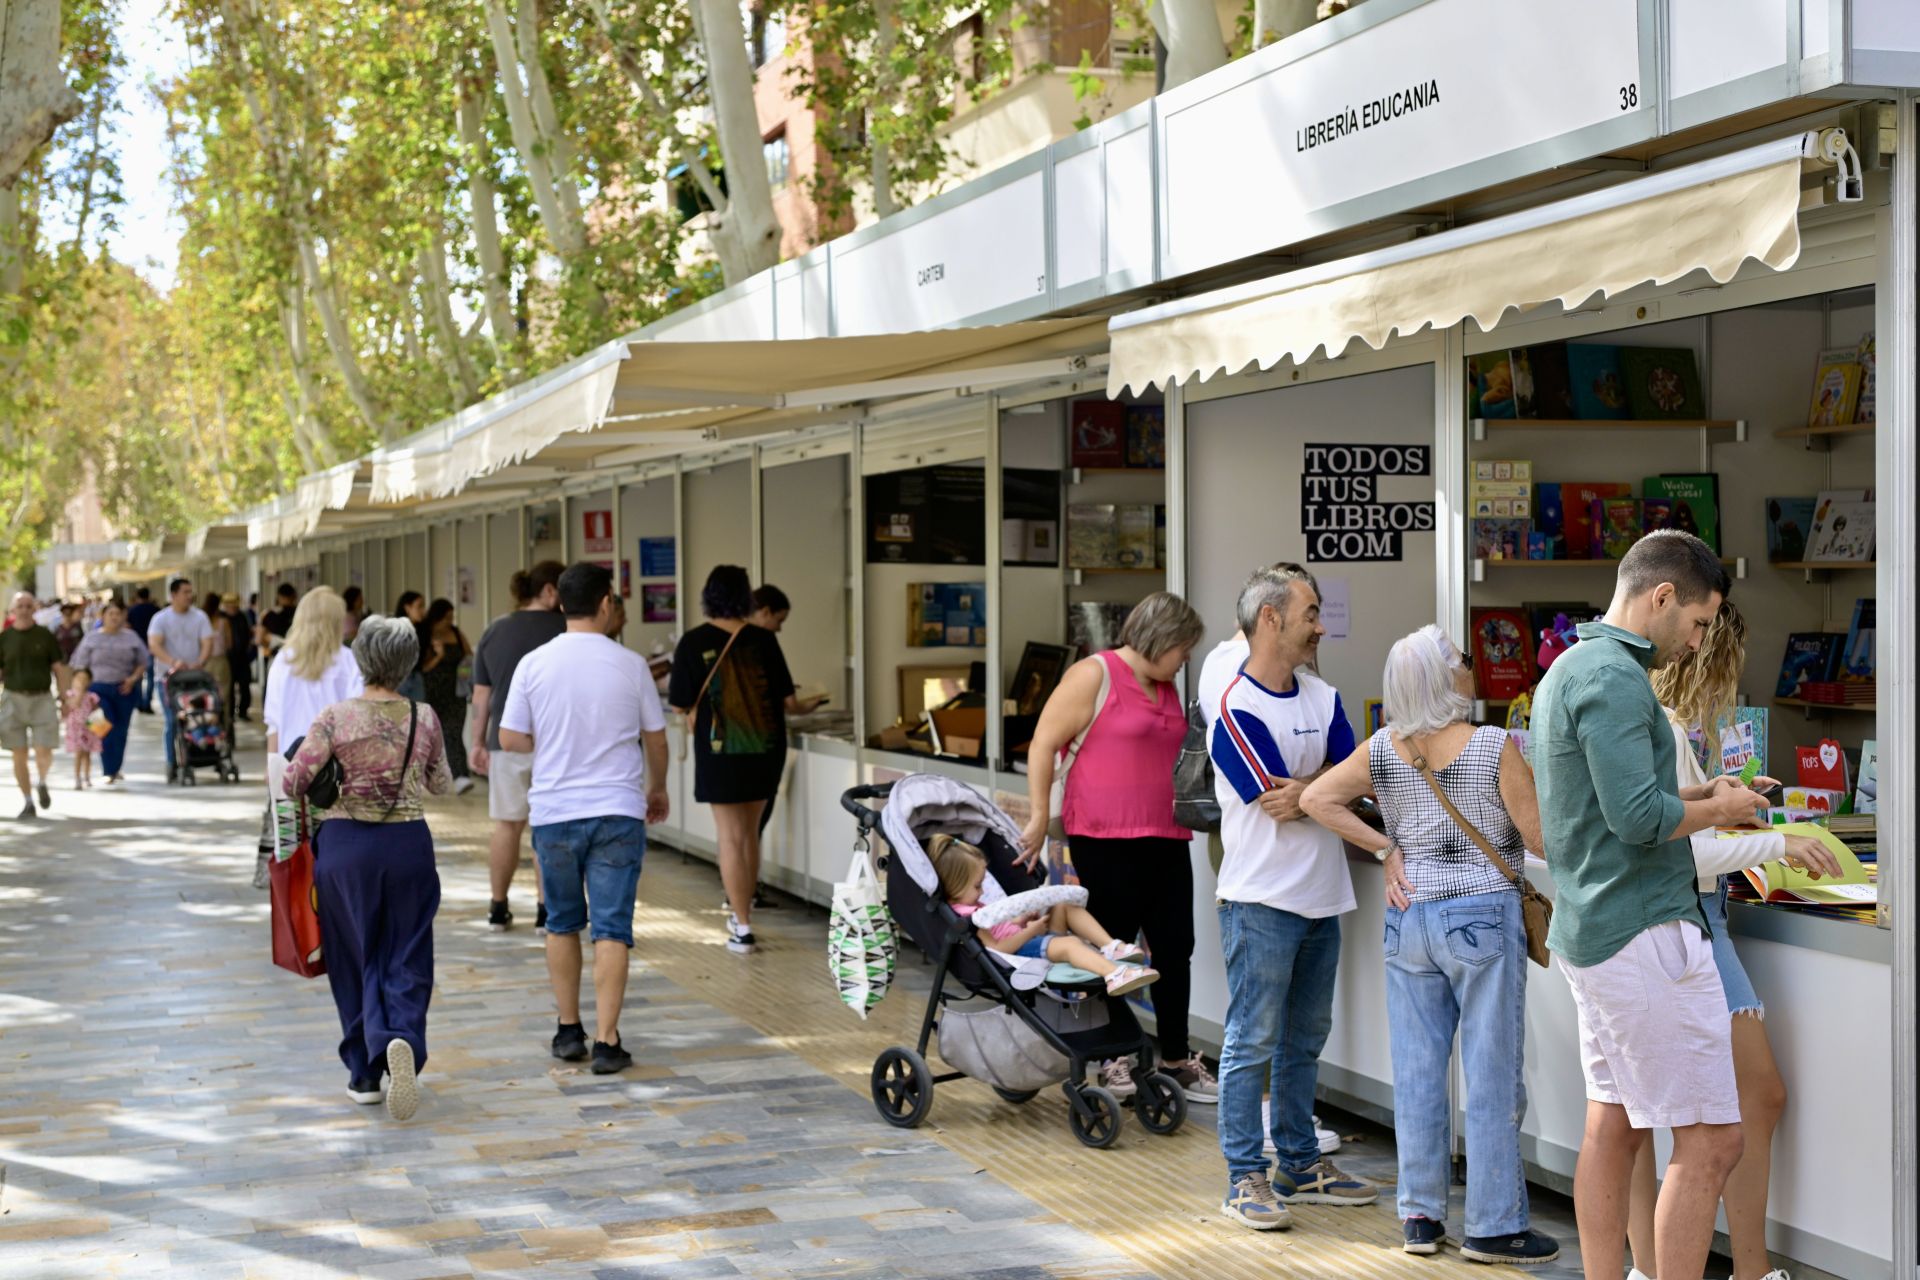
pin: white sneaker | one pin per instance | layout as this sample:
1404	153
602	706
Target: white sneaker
1116	1075
462	785
740	938
1328	1140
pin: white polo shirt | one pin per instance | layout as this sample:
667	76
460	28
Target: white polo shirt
585	699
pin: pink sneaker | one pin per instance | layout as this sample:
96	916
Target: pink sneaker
1130	977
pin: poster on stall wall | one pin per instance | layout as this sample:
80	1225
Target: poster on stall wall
626	575
1336	608
657	558
659	602
465	588
598	529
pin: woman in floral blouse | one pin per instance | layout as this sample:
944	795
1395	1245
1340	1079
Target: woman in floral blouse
373	872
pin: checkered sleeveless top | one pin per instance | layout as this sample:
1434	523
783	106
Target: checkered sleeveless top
1442	860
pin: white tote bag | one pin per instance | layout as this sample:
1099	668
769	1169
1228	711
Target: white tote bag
860	937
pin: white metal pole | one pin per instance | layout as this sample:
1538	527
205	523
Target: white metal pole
996	579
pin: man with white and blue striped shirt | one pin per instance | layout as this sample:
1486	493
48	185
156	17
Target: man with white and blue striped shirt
1283	885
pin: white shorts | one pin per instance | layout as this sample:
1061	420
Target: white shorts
1655	1036
509	775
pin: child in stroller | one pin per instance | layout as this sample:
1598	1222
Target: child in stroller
1064	935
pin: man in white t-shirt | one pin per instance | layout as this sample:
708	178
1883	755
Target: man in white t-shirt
585	706
180	639
1283	884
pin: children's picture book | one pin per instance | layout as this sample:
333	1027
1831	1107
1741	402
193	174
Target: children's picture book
1662	383
1502	654
1550	520
1098	430
1146	436
1093	536
1810	658
1577	513
1865	410
1788	520
1822	765
1843	527
1500	539
1541	385
1695	503
1598	391
1539	546
1836	388
1490	386
1866	792
1134	535
1743	737
1616	523
1655	514
1777	882
1856	657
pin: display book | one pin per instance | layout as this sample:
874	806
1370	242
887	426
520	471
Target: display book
1827	802
1110	435
1585	382
1829	667
1844	390
1116	535
941	614
1517	519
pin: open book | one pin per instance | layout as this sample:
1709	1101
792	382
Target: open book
1777	882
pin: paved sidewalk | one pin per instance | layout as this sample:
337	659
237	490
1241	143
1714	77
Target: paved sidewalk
173	1104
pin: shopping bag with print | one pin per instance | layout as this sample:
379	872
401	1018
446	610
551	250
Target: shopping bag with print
296	911
861	943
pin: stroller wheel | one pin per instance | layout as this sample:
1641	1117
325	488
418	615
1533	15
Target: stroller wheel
1099	1126
1160	1103
1017	1096
902	1087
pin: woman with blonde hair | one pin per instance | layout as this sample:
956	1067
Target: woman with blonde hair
312	671
1698	691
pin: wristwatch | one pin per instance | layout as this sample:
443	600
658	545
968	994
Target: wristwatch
1380	854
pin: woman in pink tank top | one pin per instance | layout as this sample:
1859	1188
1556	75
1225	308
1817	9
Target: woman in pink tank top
1130	855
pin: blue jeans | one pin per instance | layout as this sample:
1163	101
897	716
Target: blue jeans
1280	970
166	710
144	689
1459	962
591	864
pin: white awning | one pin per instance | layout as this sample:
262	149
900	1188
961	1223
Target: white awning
293	516
1712	216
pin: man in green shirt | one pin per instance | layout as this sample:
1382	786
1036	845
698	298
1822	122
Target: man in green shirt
1627	926
30	663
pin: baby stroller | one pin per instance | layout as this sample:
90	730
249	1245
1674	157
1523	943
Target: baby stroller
200	741
1017	1025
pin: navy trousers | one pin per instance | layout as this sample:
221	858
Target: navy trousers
118	707
377	891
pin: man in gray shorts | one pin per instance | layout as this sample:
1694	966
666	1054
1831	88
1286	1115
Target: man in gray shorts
1628	932
32	670
508	639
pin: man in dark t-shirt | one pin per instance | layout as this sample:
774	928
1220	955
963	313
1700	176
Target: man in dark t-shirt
138	617
277	621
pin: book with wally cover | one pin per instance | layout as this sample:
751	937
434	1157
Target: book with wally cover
1576	502
1810	657
1098	432
1843	527
1836	388
1502	654
1598	391
1856	657
1146	436
1695	503
1662	382
1788	520
1743	737
1823	765
1542	387
1616	525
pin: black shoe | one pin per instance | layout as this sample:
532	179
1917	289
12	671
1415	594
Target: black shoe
499	919
764	901
1525	1249
26	814
173	775
365	1092
46	797
1423	1235
609	1058
540	919
570	1042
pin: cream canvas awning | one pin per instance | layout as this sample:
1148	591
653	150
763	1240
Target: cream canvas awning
1713	216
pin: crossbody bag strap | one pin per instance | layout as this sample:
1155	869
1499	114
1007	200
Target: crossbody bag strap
1486	846
1099	705
712	672
406	758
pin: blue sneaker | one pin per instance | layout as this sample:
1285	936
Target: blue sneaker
1521	1249
1324	1183
1423	1235
1250	1199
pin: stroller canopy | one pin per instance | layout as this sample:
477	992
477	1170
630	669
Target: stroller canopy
925	804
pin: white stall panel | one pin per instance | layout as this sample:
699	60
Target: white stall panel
1713	42
1130	203
1078	197
1816	31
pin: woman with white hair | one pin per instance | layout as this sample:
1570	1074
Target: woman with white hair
1456	948
374	878
311	671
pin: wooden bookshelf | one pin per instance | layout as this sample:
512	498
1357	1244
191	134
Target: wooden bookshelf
1120	471
1816	566
1869	708
1084	569
1737	427
1576	564
1817	433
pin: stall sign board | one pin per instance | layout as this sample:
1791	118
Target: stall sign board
598	528
1341	514
656	558
1404	114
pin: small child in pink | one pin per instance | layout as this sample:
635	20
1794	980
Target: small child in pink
1068	935
79	735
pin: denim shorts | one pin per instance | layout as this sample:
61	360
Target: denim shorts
1034	948
1741	997
591	865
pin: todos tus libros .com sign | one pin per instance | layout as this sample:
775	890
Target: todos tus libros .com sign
1340	509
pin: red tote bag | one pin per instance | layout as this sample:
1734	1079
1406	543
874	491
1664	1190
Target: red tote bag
296	912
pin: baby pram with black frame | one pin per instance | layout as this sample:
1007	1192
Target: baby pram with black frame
200	738
1033	1024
